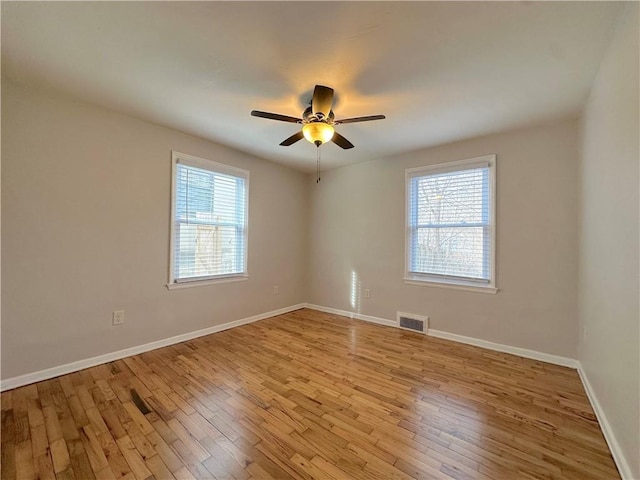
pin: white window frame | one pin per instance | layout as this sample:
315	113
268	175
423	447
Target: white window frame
440	280
191	160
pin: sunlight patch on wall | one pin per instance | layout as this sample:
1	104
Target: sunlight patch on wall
355	296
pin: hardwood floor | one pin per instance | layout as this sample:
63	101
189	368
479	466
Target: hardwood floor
307	395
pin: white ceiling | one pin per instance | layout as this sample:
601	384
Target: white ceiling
439	71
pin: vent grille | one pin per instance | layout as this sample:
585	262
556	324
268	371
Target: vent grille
410	321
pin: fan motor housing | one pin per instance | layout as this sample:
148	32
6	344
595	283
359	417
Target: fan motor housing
308	117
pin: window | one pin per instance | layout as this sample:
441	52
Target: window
208	221
451	224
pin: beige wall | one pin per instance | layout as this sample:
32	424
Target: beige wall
85	212
609	288
358	235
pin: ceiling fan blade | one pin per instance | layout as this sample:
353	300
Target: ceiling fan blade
292	139
341	141
322	100
360	119
275	116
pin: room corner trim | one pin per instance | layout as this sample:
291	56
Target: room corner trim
26	379
499	347
605	426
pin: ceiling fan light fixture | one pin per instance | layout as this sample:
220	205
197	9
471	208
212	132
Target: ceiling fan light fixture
317	121
318	132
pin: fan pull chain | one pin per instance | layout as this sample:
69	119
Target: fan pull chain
318	164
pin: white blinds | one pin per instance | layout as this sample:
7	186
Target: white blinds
449	222
209	221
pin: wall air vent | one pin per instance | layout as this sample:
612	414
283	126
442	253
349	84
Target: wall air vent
413	322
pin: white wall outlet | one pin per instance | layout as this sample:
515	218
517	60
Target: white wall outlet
367	293
276	290
118	317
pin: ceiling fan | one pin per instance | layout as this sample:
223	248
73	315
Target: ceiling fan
318	121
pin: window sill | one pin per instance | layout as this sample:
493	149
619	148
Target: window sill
469	287
208	281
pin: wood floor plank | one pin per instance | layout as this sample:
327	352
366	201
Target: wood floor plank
184	474
307	395
44	468
82	467
158	468
133	458
24	461
93	449
105	474
60	455
117	462
165	452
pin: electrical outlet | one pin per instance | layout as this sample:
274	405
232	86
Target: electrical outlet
117	317
367	293
276	290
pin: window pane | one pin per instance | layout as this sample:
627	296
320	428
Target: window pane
207	197
207	250
194	198
457	251
457	197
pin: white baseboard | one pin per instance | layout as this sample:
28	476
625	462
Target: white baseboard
499	347
357	316
605	426
48	373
